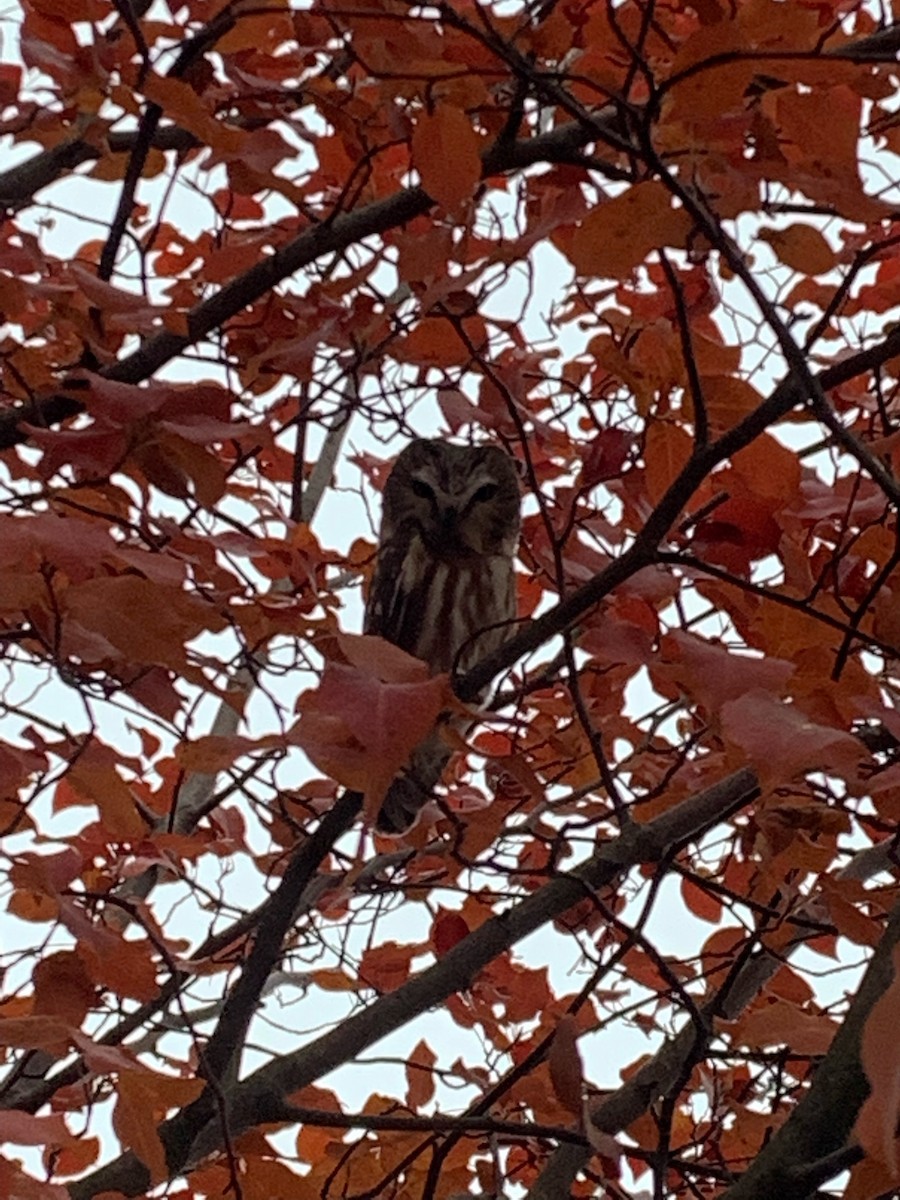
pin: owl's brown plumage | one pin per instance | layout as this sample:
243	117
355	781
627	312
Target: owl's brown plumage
444	588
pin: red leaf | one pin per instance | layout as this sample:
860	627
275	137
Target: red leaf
448	929
110	299
27	1130
605	456
18	1186
712	675
781	742
10	80
360	726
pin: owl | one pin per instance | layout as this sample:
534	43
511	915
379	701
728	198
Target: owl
443	588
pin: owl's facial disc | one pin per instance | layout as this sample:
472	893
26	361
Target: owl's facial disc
452	519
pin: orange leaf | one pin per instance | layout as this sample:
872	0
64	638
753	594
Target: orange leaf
419	1077
141	620
445	152
332	979
32	906
123	966
186	108
618	234
767	468
142	1100
213	752
136	1125
850	923
702	903
76	1156
95	779
314	1142
667	449
783	1024
876	1125
566	1071
35	1033
869	1180
801	247
62	987
386	967
434	342
728	399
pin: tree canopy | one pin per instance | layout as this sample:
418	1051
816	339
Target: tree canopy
645	941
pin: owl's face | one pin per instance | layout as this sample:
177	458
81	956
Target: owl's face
461	500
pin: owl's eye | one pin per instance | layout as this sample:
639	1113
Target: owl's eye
486	492
422	490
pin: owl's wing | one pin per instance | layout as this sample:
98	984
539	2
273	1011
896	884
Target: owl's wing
396	604
396	609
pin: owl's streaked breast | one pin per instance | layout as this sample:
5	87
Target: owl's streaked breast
436	607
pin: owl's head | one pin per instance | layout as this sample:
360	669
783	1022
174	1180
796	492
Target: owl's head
461	500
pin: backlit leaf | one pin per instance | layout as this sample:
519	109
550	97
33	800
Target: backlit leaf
445	152
801	247
361	729
619	233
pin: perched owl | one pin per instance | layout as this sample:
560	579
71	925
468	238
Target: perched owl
443	588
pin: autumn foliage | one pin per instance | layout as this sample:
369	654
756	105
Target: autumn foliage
645	941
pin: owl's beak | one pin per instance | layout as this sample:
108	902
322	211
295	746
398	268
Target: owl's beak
448	516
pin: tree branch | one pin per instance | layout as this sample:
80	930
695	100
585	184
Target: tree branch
195	1132
331	236
822	1122
641	553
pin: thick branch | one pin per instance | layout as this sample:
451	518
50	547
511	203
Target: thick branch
195	1132
821	1124
19	184
659	1074
331	236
